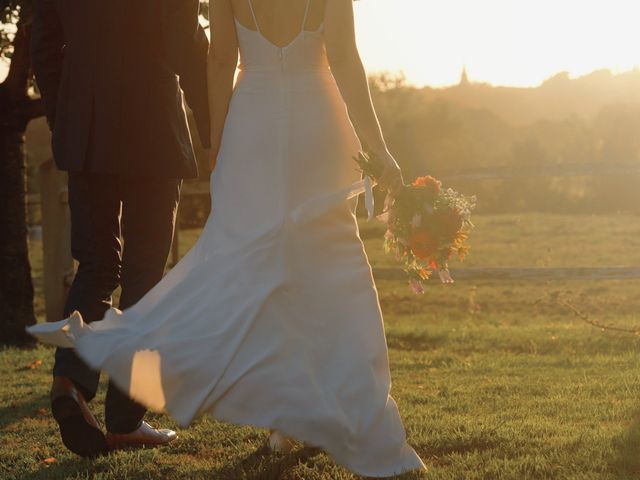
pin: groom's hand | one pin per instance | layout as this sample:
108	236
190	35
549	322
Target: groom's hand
186	49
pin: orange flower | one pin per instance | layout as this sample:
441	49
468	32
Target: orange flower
428	181
427	189
423	243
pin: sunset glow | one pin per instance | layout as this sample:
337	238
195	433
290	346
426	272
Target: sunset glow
503	42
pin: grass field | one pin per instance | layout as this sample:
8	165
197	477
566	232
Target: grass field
495	379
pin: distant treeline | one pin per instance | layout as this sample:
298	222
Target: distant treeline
593	120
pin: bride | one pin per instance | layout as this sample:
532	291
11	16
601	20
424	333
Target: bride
272	319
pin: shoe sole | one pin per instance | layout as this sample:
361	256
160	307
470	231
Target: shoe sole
77	435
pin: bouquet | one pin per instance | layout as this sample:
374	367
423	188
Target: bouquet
427	225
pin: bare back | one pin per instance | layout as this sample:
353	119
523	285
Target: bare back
279	21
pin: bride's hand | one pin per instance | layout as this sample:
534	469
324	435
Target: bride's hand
391	179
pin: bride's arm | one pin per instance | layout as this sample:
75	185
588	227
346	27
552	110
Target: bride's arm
351	78
223	60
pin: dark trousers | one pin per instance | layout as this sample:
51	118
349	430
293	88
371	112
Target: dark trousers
121	234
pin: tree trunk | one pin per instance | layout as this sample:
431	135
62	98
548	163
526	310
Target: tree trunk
16	110
16	288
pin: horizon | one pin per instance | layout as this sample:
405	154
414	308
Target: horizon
473	81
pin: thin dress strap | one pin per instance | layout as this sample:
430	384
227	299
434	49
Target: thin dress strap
306	14
255	19
304	19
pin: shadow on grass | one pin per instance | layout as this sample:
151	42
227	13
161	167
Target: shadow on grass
416	340
66	469
17	410
627	464
264	465
461	447
259	465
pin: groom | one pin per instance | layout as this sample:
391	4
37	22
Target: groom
111	73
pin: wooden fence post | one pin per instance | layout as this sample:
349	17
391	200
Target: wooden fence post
56	239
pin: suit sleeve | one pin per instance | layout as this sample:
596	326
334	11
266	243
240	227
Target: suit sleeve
47	43
187	48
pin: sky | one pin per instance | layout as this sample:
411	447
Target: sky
502	42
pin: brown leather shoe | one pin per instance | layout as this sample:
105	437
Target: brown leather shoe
144	436
79	429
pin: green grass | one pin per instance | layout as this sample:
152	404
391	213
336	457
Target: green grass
494	379
541	240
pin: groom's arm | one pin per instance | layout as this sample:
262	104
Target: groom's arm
47	43
186	46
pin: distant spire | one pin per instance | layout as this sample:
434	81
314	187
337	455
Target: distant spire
464	78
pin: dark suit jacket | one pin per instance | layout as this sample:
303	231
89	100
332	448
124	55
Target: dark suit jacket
110	73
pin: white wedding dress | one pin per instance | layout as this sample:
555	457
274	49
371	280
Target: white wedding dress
272	319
